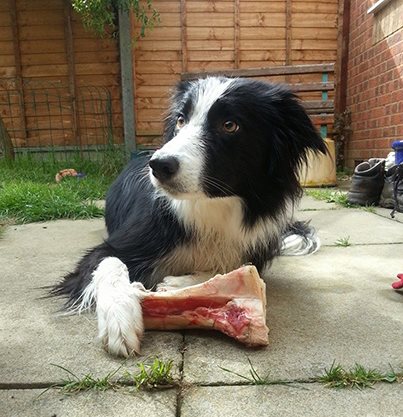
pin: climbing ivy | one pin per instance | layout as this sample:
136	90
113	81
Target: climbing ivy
101	16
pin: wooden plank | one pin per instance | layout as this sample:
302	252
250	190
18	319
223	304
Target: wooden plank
313	44
213	19
96	56
149	126
288	32
43	59
150	115
314	7
45	70
6	33
342	60
209	65
166	6
206	6
211	56
253	72
157	46
159	67
153	103
263	20
71	69
104	80
314	20
262	6
160	56
184	36
271	55
315	56
265	34
262	64
6	48
312	87
40	5
5	19
210	33
263	45
93	45
7	60
41	46
156	79
50	32
45	17
318	119
18	66
319	106
164	33
315	33
237	26
110	68
211	45
151	91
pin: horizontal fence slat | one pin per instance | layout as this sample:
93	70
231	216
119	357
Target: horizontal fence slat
254	72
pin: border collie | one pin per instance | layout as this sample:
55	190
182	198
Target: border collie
220	193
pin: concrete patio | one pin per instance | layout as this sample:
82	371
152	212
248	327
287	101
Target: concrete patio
336	305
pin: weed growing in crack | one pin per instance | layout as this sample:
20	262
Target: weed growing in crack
254	378
357	377
156	374
344	242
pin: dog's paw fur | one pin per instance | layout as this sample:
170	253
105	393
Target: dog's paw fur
120	318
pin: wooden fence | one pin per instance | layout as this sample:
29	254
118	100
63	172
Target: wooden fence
45	39
201	36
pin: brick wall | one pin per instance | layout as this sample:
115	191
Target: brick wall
375	81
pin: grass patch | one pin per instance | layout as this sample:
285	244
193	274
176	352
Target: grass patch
29	193
151	375
330	196
254	378
334	377
357	377
344	242
74	384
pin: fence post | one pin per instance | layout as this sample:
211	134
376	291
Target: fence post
126	71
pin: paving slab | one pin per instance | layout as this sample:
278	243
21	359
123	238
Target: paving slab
385	212
360	226
28	403
33	336
297	401
335	305
309	203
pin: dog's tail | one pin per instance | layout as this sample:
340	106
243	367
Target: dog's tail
299	239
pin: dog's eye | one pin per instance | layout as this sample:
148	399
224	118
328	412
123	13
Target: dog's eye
180	122
230	126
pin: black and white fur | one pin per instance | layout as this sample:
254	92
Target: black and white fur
220	193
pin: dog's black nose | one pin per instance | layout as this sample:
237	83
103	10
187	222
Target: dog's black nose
164	168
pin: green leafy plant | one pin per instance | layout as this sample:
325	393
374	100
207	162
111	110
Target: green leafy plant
344	242
101	16
330	196
151	375
254	378
357	377
73	384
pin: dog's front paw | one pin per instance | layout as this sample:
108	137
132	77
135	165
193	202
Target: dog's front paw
121	326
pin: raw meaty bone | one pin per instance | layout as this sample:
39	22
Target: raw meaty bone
233	303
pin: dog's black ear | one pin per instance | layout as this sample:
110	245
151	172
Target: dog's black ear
177	100
295	131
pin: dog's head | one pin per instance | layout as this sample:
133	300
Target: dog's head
227	137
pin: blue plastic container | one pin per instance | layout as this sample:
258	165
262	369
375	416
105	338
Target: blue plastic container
398	148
